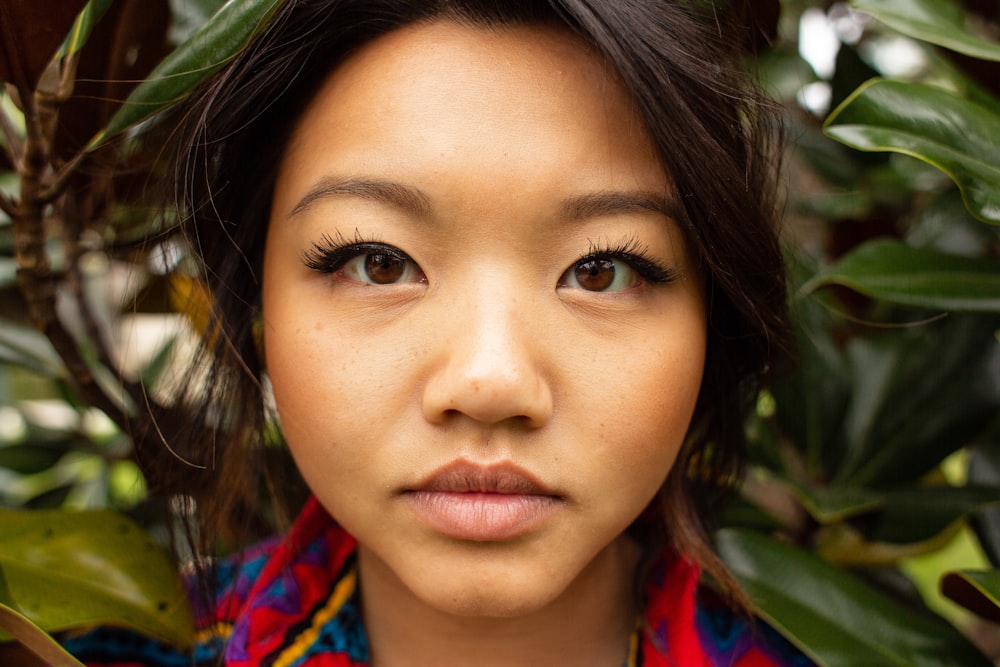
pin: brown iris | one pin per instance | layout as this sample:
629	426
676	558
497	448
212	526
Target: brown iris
595	275
384	268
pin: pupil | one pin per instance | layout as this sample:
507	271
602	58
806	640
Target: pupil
384	269
595	274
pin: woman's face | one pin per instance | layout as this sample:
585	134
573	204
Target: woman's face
484	332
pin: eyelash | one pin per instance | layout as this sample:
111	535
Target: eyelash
329	255
634	253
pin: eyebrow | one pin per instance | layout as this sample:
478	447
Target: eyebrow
408	199
611	203
412	200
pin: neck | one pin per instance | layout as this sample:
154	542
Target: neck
588	625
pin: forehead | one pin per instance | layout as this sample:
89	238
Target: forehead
534	51
457	88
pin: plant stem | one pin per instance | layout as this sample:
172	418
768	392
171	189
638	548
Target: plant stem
39	200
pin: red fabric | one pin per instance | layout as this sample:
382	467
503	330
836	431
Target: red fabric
670	616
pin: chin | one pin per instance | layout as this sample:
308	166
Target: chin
477	599
488	584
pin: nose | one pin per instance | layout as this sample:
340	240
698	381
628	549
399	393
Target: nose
488	366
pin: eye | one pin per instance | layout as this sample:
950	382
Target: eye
363	262
617	268
600	274
381	268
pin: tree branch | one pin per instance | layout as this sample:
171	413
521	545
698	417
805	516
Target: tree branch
56	185
36	280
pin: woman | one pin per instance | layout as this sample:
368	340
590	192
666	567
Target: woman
508	271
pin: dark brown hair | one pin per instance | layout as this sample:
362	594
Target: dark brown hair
710	128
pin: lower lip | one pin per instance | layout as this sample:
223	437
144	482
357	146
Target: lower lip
481	517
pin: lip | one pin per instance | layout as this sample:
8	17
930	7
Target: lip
479	503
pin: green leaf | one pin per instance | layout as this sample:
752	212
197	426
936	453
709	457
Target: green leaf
29	634
984	468
207	51
920	277
72	569
955	135
940	22
830	504
811	400
922	513
30	349
976	590
82	27
189	16
5	597
835	618
919	394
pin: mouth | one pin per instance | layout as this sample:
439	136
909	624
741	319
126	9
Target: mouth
477	503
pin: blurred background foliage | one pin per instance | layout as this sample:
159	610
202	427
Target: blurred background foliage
868	529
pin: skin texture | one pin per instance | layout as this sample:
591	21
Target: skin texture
495	160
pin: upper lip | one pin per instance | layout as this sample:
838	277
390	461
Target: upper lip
466	477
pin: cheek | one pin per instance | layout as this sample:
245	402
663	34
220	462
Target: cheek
338	388
647	404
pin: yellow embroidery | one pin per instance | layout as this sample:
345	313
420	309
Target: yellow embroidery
341	593
633	643
633	649
219	630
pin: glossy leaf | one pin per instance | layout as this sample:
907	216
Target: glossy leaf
955	135
920	393
207	51
984	468
69	569
830	504
835	618
940	22
811	400
17	625
978	591
189	16
920	277
83	25
920	514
